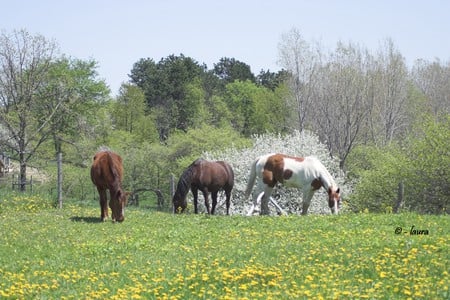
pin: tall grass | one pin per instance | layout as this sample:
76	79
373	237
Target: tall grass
70	254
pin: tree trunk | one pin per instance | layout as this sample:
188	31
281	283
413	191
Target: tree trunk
23	172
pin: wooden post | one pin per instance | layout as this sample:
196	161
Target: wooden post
172	189
400	193
60	179
172	185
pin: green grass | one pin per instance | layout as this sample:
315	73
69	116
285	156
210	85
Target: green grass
69	254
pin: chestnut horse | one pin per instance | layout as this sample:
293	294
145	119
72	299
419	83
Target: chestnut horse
107	174
208	177
307	173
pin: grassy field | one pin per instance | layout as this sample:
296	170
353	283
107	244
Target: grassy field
47	253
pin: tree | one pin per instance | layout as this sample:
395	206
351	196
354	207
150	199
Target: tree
69	92
129	108
302	62
25	61
433	78
165	87
256	109
230	69
341	100
388	99
272	80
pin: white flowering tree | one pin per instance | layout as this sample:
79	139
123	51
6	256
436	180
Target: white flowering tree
296	144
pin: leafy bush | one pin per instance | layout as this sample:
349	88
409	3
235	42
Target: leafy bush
422	165
378	173
298	144
428	187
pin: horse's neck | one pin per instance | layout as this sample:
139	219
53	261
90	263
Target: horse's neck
326	179
184	183
327	182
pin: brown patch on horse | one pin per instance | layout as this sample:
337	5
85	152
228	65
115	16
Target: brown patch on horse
287	174
316	184
107	174
274	169
299	159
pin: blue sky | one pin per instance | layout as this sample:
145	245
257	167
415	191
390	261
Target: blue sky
118	33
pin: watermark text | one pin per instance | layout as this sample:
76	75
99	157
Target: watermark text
411	231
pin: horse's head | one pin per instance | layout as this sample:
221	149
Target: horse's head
334	199
118	205
179	203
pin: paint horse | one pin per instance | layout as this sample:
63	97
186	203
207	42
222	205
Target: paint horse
107	174
306	173
208	177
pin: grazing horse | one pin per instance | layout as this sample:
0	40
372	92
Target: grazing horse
208	177
107	173
307	173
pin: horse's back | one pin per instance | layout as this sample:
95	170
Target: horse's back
107	169
215	175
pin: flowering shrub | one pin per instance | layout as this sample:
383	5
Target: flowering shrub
298	144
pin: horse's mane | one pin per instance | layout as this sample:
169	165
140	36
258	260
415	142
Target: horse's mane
326	178
184	183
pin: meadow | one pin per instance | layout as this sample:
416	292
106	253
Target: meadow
48	253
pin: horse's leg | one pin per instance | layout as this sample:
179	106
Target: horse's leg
228	200
205	195
265	200
214	201
258	190
113	203
307	196
103	204
195	193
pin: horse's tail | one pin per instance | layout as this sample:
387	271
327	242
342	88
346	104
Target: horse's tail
251	179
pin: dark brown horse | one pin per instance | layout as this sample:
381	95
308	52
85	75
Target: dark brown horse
107	174
208	177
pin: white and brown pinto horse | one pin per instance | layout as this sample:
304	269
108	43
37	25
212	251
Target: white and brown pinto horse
306	173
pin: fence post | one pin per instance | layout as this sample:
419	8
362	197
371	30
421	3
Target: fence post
59	179
172	188
172	185
400	193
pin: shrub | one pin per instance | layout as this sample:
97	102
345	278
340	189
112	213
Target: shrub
378	173
422	165
428	188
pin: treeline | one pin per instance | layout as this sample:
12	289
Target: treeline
181	94
349	96
174	109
